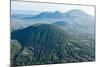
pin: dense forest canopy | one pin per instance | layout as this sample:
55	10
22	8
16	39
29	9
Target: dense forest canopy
52	38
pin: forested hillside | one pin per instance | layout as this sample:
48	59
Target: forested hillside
46	44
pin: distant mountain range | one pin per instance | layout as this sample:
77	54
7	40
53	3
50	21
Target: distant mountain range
77	17
54	15
52	37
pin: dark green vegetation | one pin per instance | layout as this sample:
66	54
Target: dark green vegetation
48	43
52	37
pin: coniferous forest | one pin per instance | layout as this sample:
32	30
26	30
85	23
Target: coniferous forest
52	37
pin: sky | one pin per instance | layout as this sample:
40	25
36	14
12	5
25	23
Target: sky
43	7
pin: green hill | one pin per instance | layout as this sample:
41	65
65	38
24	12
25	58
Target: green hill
46	44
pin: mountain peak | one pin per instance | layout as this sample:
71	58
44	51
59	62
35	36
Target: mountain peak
23	35
49	43
76	12
55	14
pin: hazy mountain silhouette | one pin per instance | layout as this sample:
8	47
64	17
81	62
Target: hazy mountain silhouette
75	17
